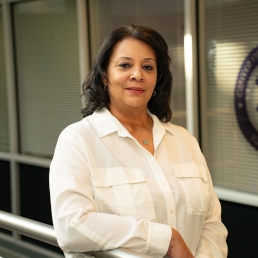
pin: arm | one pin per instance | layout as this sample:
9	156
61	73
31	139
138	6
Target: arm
212	243
78	225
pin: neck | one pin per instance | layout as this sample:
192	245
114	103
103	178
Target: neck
132	118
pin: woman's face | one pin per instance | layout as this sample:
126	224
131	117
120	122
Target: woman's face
132	75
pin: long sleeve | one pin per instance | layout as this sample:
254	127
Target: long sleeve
78	224
199	218
212	242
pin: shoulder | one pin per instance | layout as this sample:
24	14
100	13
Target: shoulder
183	137
178	131
94	125
75	130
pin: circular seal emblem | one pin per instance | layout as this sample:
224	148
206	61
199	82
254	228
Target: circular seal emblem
246	98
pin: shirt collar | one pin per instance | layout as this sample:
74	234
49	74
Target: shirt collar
105	123
159	125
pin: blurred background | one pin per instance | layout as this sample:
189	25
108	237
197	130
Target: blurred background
46	50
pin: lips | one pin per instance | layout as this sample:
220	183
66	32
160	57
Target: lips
135	90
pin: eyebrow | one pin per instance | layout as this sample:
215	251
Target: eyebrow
129	58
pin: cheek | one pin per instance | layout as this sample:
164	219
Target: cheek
154	80
118	79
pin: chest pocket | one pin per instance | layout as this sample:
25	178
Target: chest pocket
194	182
122	191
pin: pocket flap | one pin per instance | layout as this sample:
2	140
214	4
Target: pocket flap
104	177
190	170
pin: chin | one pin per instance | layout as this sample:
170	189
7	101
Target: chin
137	105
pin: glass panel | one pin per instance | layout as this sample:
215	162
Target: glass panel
4	129
35	199
231	93
46	43
165	16
5	190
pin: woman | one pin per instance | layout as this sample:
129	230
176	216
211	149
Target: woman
124	176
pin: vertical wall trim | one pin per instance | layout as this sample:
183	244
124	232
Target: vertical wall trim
10	78
202	78
12	113
190	57
84	55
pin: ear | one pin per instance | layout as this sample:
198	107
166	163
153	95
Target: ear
103	79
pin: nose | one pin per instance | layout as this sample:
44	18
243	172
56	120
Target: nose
137	74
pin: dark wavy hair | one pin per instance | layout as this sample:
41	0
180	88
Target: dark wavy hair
96	97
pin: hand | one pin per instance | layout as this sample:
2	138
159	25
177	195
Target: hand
177	247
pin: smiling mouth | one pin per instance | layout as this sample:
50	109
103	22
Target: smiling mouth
135	90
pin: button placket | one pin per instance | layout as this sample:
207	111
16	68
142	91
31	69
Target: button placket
163	183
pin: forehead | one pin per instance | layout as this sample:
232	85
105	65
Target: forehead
131	47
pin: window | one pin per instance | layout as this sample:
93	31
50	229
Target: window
47	59
230	36
5	190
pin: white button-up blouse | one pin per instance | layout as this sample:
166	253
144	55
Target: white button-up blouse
107	191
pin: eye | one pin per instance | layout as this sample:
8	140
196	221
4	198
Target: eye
147	67
124	65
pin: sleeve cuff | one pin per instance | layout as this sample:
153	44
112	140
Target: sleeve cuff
159	236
